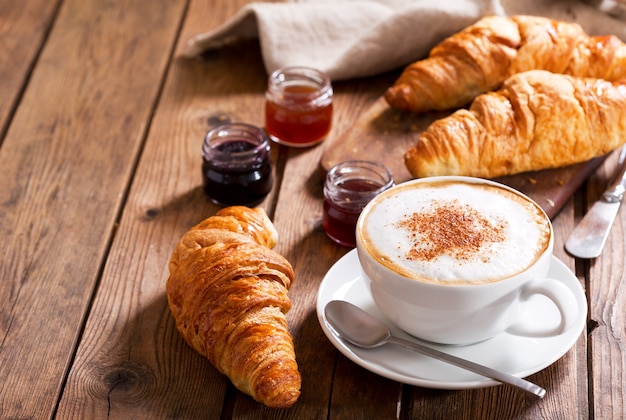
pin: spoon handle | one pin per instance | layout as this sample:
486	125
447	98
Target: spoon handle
471	366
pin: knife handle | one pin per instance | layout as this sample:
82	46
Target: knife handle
616	189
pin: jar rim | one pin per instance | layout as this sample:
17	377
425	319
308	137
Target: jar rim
357	169
223	133
308	73
283	78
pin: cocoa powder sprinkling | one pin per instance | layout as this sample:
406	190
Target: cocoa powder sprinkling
450	228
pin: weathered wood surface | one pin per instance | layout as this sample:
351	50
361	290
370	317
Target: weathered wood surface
100	170
67	161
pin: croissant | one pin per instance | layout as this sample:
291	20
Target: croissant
537	120
481	57
227	291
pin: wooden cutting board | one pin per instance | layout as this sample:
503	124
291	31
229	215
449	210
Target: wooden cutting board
383	134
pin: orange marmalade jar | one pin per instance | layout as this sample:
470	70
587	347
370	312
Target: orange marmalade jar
299	106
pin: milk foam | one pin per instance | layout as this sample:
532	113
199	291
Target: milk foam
457	233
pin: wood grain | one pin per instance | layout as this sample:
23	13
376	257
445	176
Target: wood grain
100	138
136	339
69	169
24	26
607	296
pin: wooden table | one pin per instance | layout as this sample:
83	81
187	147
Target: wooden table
101	124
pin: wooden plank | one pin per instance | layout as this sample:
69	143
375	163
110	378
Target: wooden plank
131	348
23	29
360	394
68	157
607	311
330	382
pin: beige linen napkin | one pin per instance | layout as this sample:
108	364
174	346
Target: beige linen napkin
358	38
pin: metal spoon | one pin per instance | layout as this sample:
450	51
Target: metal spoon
358	327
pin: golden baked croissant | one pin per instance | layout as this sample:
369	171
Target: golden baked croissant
482	56
537	120
227	291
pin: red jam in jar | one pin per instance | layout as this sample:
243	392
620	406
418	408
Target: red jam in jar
299	106
236	167
349	186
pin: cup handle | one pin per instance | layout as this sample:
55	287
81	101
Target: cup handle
562	297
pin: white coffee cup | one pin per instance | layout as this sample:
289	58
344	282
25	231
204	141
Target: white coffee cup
452	259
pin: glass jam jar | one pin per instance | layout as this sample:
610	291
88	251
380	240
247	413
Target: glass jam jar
236	167
349	186
298	106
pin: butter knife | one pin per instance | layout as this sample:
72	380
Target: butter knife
589	237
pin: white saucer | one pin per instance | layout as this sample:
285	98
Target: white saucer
519	356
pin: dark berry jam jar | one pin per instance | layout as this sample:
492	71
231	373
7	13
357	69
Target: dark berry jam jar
349	186
236	167
299	106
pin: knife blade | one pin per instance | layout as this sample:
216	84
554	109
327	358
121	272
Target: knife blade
588	238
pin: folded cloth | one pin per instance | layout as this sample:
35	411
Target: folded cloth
357	38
